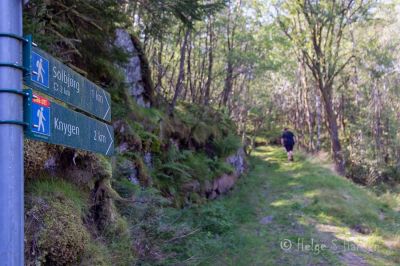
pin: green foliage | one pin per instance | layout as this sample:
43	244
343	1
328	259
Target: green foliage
201	133
174	171
148	117
175	154
82	28
120	242
203	168
199	166
104	163
226	146
204	122
53	187
214	218
145	212
169	178
125	188
120	100
151	142
180	167
160	15
220	167
96	254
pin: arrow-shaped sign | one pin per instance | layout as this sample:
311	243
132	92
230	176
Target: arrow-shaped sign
50	76
53	123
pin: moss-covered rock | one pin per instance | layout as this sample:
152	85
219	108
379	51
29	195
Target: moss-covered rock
55	231
64	238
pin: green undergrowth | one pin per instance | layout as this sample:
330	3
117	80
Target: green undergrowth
190	145
188	150
60	228
302	202
53	187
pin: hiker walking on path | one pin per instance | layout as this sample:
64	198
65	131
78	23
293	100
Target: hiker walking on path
288	141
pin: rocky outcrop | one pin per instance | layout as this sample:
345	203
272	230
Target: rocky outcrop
238	161
136	69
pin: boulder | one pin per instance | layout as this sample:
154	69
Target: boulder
226	183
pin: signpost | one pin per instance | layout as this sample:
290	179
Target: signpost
53	123
11	135
50	76
40	118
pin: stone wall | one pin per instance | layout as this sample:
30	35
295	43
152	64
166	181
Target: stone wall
226	182
222	184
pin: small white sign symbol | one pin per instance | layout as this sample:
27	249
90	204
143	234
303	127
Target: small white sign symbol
41	118
41	71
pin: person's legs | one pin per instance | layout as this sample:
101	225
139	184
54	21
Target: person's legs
289	150
291	155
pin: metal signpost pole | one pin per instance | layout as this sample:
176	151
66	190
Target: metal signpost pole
11	135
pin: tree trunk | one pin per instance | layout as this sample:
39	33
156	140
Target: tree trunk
228	82
181	75
333	131
310	122
377	125
160	73
230	64
210	65
189	71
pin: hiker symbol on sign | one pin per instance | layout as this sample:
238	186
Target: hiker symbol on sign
41	116
40	67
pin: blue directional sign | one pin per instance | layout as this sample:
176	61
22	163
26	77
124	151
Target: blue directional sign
40	113
40	70
50	76
56	124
